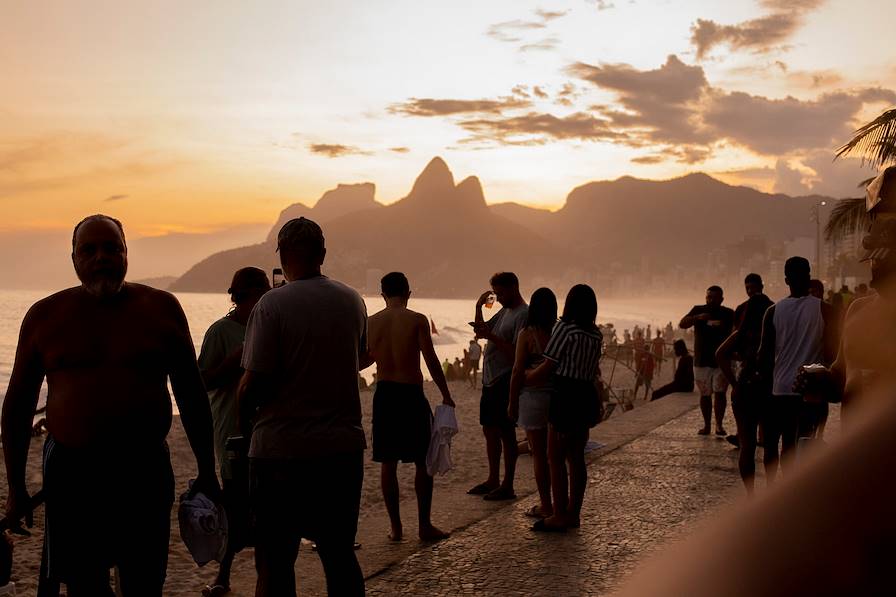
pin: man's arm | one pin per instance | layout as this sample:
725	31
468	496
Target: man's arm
518	376
691	318
765	356
18	413
829	339
723	358
253	389
192	400
225	373
432	361
478	318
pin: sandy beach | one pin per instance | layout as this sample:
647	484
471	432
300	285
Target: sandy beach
185	578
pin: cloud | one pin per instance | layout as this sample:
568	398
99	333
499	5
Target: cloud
779	126
521	90
759	35
648	159
566	95
544	45
663	103
508	31
446	107
115	198
400	149
539	92
538	128
550	15
335	150
604	4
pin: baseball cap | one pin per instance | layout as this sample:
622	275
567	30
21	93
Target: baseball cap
300	232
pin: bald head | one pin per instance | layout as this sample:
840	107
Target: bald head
100	255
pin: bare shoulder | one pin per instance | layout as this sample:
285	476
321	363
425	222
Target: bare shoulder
859	305
153	300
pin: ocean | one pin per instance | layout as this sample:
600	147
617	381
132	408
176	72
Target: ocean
450	317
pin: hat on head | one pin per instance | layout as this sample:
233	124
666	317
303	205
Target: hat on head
300	232
248	278
880	201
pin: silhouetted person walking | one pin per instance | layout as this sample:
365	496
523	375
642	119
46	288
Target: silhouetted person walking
402	418
107	349
304	343
500	331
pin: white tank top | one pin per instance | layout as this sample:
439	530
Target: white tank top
799	332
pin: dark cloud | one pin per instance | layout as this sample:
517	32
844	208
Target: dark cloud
400	149
115	198
521	90
539	128
779	126
663	103
759	35
544	45
446	107
539	92
335	150
648	159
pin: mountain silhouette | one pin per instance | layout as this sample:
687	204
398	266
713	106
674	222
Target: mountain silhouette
449	241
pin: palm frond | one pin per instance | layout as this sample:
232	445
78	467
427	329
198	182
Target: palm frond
876	141
847	217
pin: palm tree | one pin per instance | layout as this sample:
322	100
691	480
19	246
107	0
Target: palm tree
876	142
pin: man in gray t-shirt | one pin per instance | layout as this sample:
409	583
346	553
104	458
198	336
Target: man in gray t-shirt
304	342
501	332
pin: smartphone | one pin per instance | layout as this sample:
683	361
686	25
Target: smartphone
277	278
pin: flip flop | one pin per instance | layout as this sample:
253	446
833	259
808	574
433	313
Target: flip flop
541	527
534	512
499	494
481	489
215	590
357	546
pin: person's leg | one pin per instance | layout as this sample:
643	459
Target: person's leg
662	392
277	540
344	475
90	584
511	452
771	435
705	389
578	475
746	420
720	404
538	445
423	486
559	479
493	450
790	423
822	421
391	496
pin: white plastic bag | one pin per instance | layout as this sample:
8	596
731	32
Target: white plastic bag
203	528
444	427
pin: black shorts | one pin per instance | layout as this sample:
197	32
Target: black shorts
575	405
106	509
494	402
316	498
402	422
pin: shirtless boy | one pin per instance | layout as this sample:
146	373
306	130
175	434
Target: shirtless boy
402	418
107	349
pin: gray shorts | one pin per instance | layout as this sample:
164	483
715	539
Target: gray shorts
534	405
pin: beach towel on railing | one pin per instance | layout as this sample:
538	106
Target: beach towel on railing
444	427
203	527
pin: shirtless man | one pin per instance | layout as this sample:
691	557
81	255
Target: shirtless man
107	349
401	417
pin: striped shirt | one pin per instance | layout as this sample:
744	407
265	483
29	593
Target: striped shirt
575	350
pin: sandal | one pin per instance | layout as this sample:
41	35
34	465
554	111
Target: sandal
535	512
215	590
499	494
481	489
541	527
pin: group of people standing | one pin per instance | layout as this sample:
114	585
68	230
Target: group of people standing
540	373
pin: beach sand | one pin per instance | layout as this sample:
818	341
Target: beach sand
452	509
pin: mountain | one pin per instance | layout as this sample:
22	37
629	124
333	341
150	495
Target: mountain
449	241
442	235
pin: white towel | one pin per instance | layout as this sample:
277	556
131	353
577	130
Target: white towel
203	527
444	427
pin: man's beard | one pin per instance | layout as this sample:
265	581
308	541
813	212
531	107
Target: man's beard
103	284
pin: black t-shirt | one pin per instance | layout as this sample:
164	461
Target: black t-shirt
709	334
748	321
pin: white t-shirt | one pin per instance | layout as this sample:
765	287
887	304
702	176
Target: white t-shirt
308	336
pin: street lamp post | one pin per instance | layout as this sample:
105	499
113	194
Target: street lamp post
815	213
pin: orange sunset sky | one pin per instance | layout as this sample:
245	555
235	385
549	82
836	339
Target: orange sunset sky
198	116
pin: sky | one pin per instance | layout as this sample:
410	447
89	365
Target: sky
208	115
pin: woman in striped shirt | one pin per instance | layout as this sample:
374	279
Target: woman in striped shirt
571	356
